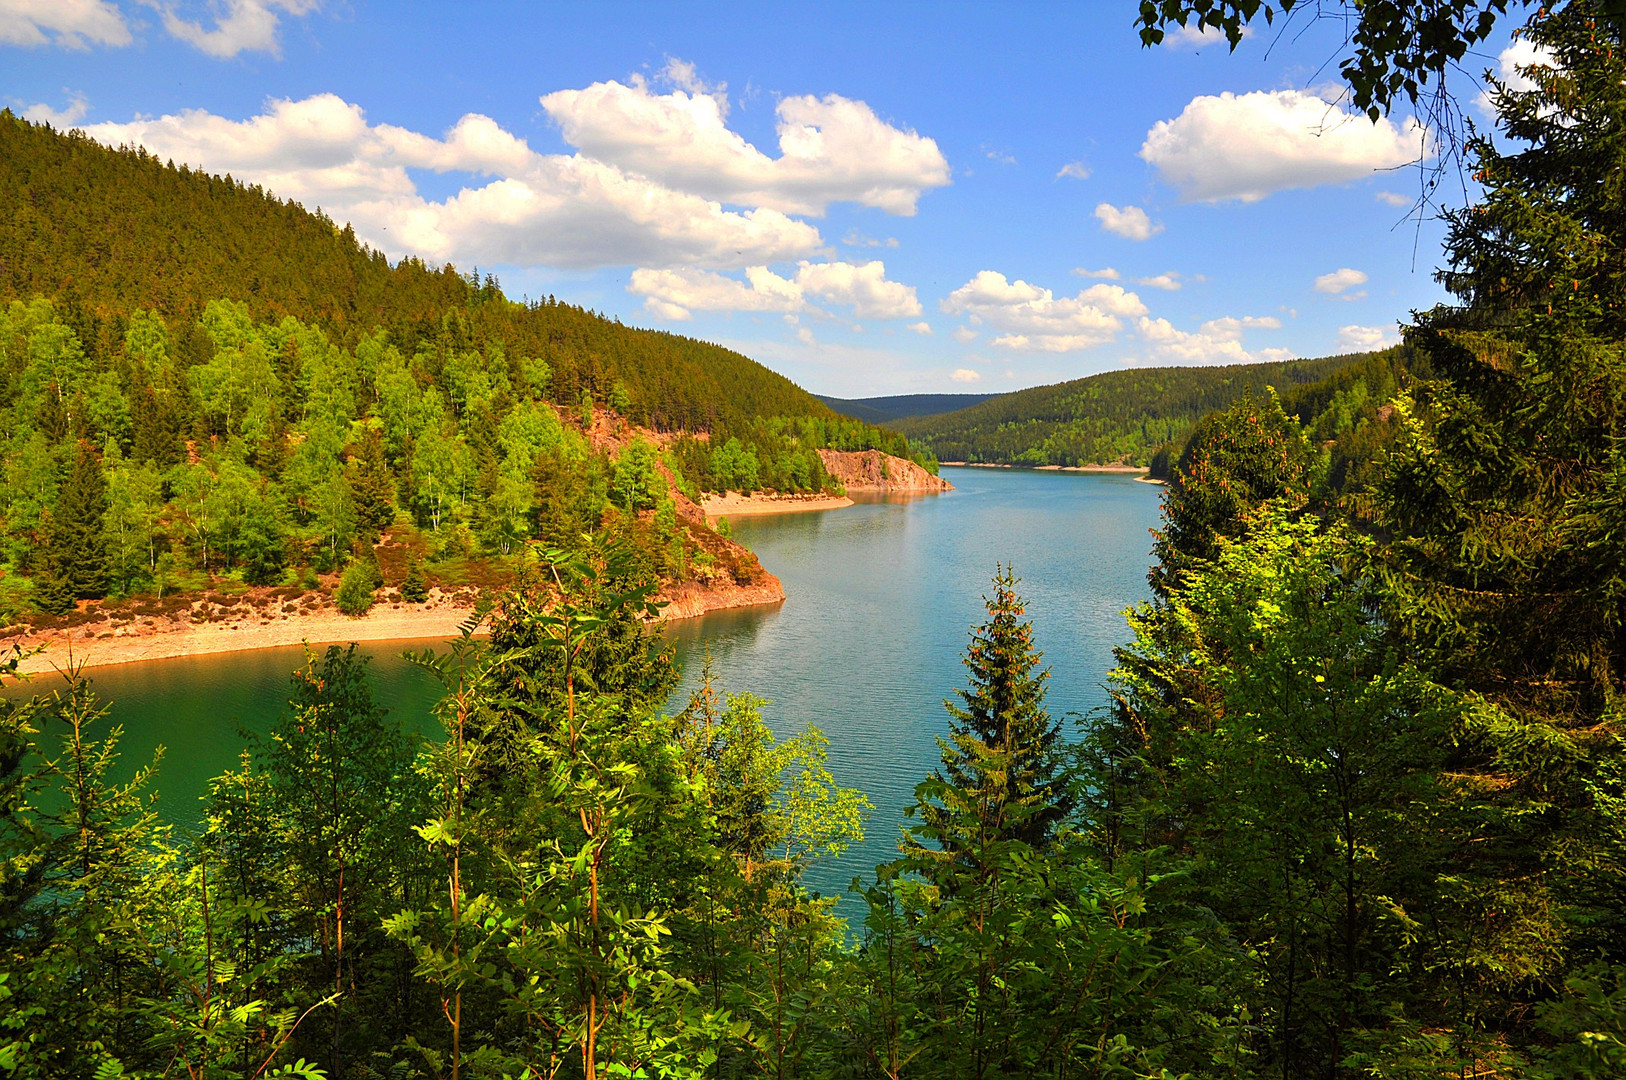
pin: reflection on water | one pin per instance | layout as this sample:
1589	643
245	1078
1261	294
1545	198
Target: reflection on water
881	596
202	711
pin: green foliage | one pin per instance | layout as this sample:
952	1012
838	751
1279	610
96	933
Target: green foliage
1266	729
73	556
1398	46
1236	460
413	589
355	593
637	483
1002	765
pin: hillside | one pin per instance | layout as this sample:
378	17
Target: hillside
880	410
1114	417
103	233
208	388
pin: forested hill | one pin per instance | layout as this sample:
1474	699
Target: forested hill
205	386
103	233
1117	416
880	410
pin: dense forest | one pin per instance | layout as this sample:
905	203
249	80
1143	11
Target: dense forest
1357	808
1116	417
204	383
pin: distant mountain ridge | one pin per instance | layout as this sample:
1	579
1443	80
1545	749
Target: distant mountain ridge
881	410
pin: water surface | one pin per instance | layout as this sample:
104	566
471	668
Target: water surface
881	599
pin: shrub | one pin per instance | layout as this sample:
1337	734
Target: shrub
356	587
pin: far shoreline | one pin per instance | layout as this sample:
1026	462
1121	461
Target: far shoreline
1116	470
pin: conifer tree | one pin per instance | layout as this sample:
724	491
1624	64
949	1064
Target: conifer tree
1236	459
1506	492
413	590
74	559
1002	748
372	486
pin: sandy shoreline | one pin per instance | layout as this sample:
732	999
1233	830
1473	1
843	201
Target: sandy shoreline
733	504
100	644
108	642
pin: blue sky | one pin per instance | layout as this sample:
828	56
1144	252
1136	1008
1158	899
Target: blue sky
872	199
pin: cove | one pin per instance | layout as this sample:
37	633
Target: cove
881	599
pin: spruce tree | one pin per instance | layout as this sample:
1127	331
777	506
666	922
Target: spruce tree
372	485
1001	759
1236	459
413	589
1505	497
74	560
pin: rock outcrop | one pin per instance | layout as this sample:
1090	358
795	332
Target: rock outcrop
871	470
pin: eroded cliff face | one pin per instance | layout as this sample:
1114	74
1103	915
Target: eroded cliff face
871	470
730	575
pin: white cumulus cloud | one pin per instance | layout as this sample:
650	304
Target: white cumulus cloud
67	24
1394	198
1130	222
1107	273
862	285
964	335
1074	170
1364	338
831	149
536	210
242	26
964	375
1194	35
1168	282
923	328
1248	146
1035	319
678	293
64	118
1512	64
1339	281
1218	341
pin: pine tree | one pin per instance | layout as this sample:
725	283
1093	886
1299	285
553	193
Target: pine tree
74	557
372	485
413	590
1001	754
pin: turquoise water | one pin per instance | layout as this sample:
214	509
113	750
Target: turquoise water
881	599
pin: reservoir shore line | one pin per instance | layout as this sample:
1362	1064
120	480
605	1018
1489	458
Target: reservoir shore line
1124	469
258	620
122	638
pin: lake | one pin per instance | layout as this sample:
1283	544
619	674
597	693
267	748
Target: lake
881	600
